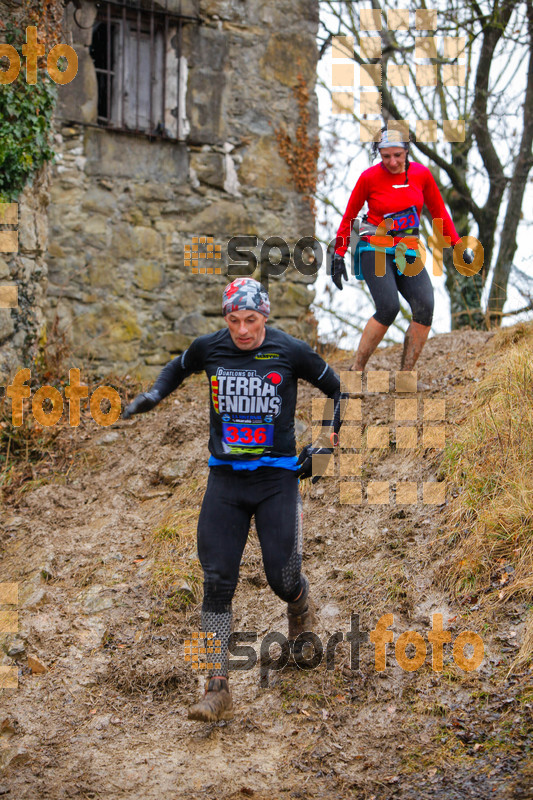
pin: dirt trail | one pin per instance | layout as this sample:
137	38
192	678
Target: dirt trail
108	718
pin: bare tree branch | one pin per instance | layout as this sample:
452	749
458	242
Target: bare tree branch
523	165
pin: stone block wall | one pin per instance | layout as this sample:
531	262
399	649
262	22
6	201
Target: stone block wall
21	327
123	207
26	269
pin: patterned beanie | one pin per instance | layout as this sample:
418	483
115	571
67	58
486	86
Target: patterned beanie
245	294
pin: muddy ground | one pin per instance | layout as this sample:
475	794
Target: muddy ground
108	718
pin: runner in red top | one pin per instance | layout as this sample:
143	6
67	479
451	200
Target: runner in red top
394	190
385	193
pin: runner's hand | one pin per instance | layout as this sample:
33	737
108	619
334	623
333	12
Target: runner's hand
468	256
305	459
338	270
142	403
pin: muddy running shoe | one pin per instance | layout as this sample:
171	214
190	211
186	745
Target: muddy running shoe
302	622
301	613
216	704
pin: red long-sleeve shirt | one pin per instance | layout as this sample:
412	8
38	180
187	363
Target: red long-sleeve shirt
376	187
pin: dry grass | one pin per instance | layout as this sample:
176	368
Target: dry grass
516	334
525	654
173	548
491	463
30	453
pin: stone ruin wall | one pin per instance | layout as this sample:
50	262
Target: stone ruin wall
26	269
20	328
123	207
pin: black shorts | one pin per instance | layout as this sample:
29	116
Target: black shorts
416	289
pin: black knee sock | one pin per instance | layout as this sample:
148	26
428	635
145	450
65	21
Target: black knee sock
219	623
300	605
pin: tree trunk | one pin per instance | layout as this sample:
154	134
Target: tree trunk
464	291
524	162
465	297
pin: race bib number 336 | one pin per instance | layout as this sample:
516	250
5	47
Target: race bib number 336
251	435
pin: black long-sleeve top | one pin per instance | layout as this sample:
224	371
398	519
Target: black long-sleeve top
253	392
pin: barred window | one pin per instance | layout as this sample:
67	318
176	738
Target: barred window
141	75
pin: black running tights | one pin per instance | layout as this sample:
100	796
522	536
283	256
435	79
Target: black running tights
231	498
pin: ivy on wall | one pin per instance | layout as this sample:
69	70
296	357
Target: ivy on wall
26	110
25	122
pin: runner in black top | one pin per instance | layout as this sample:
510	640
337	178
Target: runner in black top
253	371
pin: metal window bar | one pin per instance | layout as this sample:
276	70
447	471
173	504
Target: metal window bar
138	63
123	74
165	44
152	72
126	23
179	81
108	62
